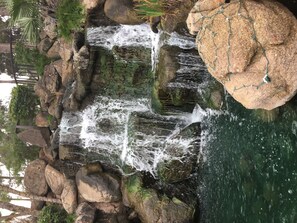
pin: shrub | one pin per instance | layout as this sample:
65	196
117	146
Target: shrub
70	16
54	214
23	103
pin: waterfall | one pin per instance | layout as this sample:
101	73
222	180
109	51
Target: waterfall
128	133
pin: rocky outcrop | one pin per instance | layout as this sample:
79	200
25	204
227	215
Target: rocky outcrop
37	136
34	179
122	12
151	208
54	179
97	187
257	65
50	27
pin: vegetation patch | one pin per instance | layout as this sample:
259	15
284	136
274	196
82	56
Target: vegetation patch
54	214
23	103
70	17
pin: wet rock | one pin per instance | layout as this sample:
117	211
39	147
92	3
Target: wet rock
122	12
50	27
54	179
85	213
97	187
68	169
258	66
111	212
137	54
152	208
69	196
34	179
55	140
174	170
49	154
53	52
71	153
78	41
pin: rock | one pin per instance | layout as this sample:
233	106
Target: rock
97	187
37	205
69	196
58	66
66	51
49	154
78	41
44	45
42	119
81	58
51	78
55	140
257	65
85	213
36	136
53	52
55	108
122	12
67	73
137	54
54	179
68	169
34	179
174	171
71	153
173	21
152	209
111	212
91	4
43	93
50	27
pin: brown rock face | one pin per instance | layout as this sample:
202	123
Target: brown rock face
69	196
34	179
97	187
250	47
122	12
55	179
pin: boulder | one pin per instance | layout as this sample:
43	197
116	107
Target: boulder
150	207
85	213
67	152
66	51
44	45
49	154
69	196
50	27
58	66
51	78
43	93
97	187
53	52
55	108
258	65
54	179
91	4
37	205
41	119
34	179
36	136
122	12
67	73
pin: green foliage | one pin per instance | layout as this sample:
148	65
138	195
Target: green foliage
70	16
25	14
24	55
54	214
149	8
155	8
22	104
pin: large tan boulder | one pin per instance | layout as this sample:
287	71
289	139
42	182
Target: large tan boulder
34	178
252	50
97	187
54	179
122	12
69	196
91	4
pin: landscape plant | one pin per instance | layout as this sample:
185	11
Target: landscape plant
70	17
54	214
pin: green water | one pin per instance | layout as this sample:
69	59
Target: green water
250	172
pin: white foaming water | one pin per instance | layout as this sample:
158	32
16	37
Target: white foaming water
127	132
